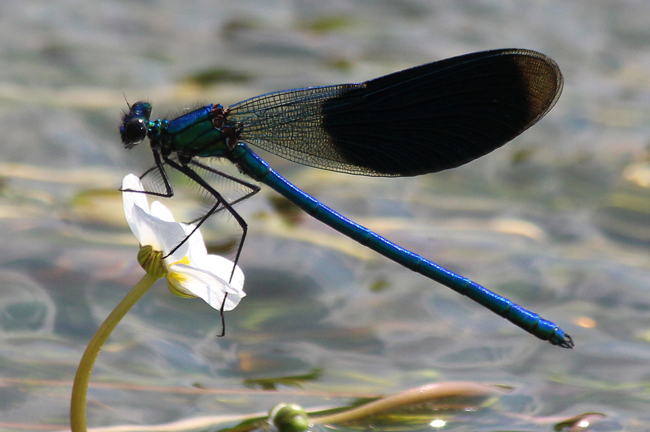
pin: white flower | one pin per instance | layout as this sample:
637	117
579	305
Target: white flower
191	272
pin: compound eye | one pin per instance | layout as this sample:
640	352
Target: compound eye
133	132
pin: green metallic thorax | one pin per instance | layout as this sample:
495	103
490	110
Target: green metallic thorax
193	134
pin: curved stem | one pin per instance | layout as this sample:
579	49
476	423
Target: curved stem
410	397
80	387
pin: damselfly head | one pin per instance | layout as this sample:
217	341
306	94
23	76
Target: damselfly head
134	127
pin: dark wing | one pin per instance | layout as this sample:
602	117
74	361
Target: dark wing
416	121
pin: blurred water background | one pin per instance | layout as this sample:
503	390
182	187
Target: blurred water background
558	220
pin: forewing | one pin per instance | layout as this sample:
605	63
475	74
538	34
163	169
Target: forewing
419	120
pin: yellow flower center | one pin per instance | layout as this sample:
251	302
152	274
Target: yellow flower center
175	280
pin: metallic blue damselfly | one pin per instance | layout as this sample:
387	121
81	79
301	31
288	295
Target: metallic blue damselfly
417	121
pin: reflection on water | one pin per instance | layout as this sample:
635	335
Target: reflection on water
558	220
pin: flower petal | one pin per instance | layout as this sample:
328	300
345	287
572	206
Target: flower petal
197	246
161	235
133	199
222	268
205	285
159	210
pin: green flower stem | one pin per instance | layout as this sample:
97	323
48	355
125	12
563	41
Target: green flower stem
80	387
419	395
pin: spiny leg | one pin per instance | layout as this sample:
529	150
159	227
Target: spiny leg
220	201
253	187
223	318
199	180
169	191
